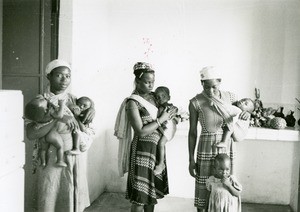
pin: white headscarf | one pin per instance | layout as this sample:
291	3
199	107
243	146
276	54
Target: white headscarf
210	72
56	63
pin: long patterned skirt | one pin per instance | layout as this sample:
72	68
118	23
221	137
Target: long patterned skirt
205	156
143	187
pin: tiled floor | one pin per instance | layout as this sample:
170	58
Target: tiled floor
116	202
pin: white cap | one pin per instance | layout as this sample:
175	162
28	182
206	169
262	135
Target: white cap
56	63
210	72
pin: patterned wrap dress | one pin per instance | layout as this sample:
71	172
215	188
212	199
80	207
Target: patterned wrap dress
143	187
211	133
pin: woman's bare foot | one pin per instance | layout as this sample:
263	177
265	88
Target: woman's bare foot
221	145
75	152
61	164
43	164
159	169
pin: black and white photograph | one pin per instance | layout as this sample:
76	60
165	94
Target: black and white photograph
150	105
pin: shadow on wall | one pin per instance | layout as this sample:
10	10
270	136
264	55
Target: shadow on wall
96	168
115	183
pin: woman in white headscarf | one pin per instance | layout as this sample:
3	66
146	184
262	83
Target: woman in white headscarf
61	189
206	108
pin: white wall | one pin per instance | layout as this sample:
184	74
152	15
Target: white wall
256	43
78	37
268	171
1	32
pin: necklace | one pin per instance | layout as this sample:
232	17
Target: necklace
147	96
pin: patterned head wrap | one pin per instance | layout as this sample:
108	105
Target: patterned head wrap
56	63
140	68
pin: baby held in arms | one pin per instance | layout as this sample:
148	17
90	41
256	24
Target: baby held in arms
79	109
42	111
237	128
168	128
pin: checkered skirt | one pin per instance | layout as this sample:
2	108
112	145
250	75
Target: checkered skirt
143	187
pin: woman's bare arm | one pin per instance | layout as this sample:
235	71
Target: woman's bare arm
35	133
136	120
192	139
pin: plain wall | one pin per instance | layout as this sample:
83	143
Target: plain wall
76	45
269	171
255	44
1	32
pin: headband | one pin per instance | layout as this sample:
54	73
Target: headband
140	68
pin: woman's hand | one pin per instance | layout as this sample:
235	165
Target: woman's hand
192	168
245	115
70	121
89	116
61	102
168	114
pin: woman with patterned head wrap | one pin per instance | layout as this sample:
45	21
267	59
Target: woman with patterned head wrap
61	188
203	108
143	186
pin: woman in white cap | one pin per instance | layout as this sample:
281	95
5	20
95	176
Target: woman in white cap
202	109
140	111
62	189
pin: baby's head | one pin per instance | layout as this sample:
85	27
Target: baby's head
162	95
222	166
82	104
38	110
246	104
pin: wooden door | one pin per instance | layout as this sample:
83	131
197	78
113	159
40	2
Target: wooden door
29	43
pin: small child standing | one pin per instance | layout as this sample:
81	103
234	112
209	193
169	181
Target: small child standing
79	109
42	111
224	189
238	128
168	128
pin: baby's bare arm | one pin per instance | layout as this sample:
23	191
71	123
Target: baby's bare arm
58	112
235	192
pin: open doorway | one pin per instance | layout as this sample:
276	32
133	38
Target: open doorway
29	41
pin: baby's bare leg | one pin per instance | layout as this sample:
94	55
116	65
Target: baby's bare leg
44	150
54	138
225	138
161	155
75	150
